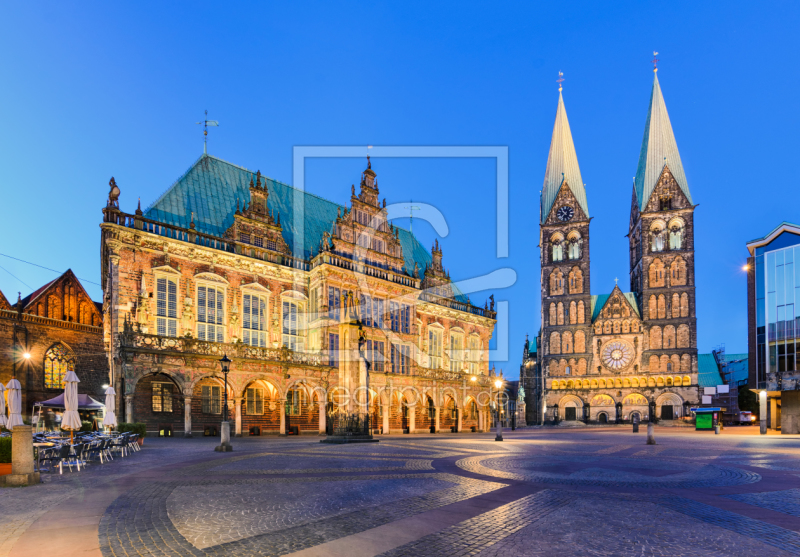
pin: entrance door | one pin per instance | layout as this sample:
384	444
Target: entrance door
404	417
603	419
570	413
667	413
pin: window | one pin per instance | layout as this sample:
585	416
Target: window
166	307
377	245
162	397
669	366
57	362
365	310
375	354
575	249
258	241
254	398
394	311
211	399
658	239
334	302
474	355
244	238
377	313
568	370
292	326
210	312
665	203
558	251
272	245
456	351
471	412
254	320
333	350
675	237
363	240
294	402
434	348
405	319
401	356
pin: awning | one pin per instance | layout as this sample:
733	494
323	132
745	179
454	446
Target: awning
85	402
696	410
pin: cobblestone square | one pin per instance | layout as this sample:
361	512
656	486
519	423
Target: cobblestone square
540	492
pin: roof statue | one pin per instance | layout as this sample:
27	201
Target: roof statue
659	150
562	163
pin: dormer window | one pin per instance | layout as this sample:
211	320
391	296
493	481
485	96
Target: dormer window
258	241
244	238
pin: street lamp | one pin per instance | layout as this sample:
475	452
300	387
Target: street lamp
225	434
499	436
27	355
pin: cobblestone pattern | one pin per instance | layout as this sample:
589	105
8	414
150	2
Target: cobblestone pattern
476	534
138	522
706	475
787	501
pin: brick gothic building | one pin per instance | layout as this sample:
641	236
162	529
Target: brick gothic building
228	261
61	328
608	357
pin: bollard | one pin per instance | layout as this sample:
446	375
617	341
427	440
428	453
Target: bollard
650	439
636	427
225	439
22	472
716	429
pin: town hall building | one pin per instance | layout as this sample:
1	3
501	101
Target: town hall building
618	355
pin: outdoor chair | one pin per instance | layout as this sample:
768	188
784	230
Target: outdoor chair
94	452
55	456
133	441
75	457
120	445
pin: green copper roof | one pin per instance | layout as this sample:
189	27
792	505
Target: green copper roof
212	186
659	149
599	300
562	165
707	371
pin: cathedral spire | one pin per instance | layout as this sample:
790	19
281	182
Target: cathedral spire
562	164
659	149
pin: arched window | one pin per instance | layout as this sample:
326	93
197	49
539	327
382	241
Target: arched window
676	234
581	312
254	320
557	241
292	325
556	283
58	360
656	274
657	234
576	281
574	245
573	313
295	399
552	313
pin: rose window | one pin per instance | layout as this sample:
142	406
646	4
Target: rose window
617	355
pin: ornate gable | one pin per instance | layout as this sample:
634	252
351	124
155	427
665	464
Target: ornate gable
256	230
566	197
667	195
64	299
4	302
617	306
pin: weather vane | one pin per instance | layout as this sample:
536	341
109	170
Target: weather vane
207	123
560	80
655	61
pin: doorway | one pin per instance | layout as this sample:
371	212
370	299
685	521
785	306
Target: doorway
570	413
667	413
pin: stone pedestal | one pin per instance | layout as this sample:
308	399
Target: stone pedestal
651	440
22	472
225	441
187	416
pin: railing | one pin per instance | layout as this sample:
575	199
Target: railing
186	345
366	267
454	304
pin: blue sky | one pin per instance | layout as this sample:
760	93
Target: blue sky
95	90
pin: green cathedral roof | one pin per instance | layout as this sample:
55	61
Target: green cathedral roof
659	149
599	300
211	187
562	165
707	371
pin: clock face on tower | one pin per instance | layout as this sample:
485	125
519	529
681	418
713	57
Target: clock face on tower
565	213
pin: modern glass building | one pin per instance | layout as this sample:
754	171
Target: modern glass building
773	308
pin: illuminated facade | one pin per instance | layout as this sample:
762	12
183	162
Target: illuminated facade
228	261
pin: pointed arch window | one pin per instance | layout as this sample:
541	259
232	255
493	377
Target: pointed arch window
58	360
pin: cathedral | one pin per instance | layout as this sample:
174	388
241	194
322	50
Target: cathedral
616	356
297	291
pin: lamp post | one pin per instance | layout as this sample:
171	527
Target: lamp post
499	435
225	433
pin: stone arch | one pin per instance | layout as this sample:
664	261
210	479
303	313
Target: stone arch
570	400
686	363
573	313
676	305
669	399
617	327
634	326
556	282
634	399
570	384
553	367
576	281
271	388
585	384
675	360
582	366
677	272
684	305
581	312
653	363
655	274
655	338
580	342
562	367
598	328
555	343
662	307
662	363
552	314
607	328
653	307
560	314
669	336
683	336
566	343
687	380
626	326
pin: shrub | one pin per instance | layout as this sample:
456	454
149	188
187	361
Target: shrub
126	427
86	426
5	450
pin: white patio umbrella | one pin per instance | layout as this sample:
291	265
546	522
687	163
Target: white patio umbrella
110	419
14	404
3	419
71	419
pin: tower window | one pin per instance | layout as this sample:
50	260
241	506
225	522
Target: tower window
665	203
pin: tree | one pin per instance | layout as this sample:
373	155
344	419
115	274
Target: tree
748	400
